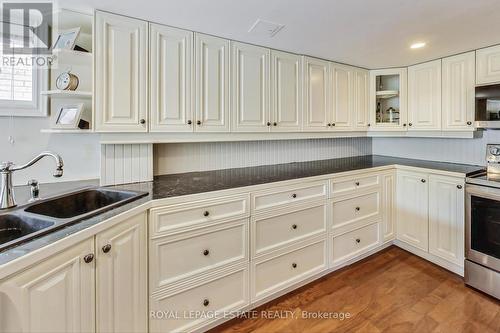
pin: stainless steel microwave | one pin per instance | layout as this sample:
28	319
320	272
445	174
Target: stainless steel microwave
488	106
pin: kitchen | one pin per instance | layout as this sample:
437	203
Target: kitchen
277	170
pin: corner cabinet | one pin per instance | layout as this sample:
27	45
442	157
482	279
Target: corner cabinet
488	65
121	74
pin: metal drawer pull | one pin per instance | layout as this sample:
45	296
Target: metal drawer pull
106	248
357	209
88	258
206	213
294	195
206	302
294	265
358	240
294	226
206	252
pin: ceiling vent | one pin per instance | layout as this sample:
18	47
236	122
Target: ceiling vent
265	28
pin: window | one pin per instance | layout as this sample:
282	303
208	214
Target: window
20	82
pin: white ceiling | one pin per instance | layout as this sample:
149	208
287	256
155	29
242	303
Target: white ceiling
367	33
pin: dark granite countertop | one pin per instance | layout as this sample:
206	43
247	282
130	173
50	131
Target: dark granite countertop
168	186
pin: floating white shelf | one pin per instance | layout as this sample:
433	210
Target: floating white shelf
66	131
387	94
72	57
68	93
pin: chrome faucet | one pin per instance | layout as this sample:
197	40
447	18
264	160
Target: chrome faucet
6	168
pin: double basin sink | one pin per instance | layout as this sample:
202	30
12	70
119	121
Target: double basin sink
22	224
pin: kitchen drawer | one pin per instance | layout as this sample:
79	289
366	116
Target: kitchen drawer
187	254
352	184
198	213
354	243
352	211
282	196
277	273
277	229
197	305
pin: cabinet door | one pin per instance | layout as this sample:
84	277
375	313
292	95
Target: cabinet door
121	73
171	62
55	295
212	84
412	198
361	99
342	97
458	92
250	88
488	65
388	207
122	294
446	218
316	94
424	96
286	91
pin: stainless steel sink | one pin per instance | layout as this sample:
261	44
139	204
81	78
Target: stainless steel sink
21	224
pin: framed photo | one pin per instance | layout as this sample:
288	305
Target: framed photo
69	116
66	39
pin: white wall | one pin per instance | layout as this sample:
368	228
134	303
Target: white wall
185	157
81	152
467	151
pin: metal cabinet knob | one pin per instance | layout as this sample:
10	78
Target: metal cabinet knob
206	252
88	258
369	124
358	209
206	213
329	125
423	180
410	124
268	123
206	302
294	265
294	195
198	122
459	187
469	123
357	183
333	124
404	125
106	248
142	121
358	240
275	124
294	226
189	122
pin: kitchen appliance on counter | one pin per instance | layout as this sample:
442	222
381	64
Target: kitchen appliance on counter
487	113
482	226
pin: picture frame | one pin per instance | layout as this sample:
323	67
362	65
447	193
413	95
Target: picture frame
66	39
69	116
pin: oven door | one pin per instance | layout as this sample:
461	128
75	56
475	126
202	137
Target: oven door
482	225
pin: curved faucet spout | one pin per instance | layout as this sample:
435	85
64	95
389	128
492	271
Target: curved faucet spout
56	157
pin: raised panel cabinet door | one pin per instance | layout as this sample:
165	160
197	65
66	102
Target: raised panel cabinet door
447	218
171	58
121	73
342	97
424	96
413	203
316	95
458	100
212	84
488	65
361	99
250	88
122	293
388	207
286	92
55	295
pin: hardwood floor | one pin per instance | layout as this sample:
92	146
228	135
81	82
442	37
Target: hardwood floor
391	291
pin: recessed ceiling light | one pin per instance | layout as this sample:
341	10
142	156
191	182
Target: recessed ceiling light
417	45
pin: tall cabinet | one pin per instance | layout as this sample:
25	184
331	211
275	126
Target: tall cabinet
121	74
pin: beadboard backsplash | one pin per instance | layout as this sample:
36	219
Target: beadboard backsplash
185	157
466	151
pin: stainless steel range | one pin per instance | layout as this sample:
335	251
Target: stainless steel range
482	226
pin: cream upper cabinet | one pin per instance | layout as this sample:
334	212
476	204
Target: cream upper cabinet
458	100
316	95
250	88
212	84
412	208
171	57
424	96
121	74
446	218
286	92
55	295
361	99
388	100
488	65
122	278
342	85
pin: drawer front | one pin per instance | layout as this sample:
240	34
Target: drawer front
346	185
195	214
354	243
277	273
228	292
289	195
352	211
272	232
182	256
